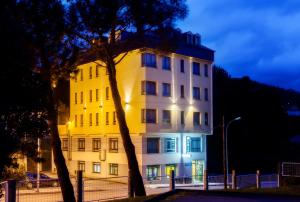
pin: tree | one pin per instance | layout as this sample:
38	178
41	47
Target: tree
100	25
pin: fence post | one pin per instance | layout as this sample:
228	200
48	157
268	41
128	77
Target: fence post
205	180
258	183
10	191
172	180
233	179
279	175
79	186
130	185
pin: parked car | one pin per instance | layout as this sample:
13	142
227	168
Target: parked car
45	181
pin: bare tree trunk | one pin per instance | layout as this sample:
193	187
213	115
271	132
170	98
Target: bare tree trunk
59	160
136	180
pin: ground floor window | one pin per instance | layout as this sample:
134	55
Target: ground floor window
81	165
198	170
153	172
113	169
169	168
96	167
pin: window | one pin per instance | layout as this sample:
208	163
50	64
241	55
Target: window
81	165
181	91
96	144
182	66
113	169
81	74
75	98
65	143
196	68
166	90
97	119
148	88
193	144
81	144
182	117
81	120
91	119
97	95
148	115
206	70
96	167
97	71
170	144
166	117
91	72
169	168
153	172
166	63
81	97
107	93
75	121
114	118
91	96
113	145
206	118
152	145
196	93
107	118
148	60
196	118
206	94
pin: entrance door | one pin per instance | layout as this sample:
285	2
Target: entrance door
197	170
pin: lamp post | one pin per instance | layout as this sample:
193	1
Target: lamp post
226	145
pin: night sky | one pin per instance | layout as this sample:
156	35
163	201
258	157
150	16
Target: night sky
257	38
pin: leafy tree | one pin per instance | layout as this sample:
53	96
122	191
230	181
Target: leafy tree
99	25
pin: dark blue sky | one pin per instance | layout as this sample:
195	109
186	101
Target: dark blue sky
257	38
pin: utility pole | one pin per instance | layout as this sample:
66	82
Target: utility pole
224	154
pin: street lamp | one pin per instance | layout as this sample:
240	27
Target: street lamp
226	147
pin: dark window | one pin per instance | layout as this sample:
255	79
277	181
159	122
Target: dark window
196	68
170	144
182	91
75	121
81	74
206	118
166	63
65	144
166	117
113	145
107	93
153	172
81	120
148	88
196	93
75	98
96	144
182	117
97	71
206	94
196	118
182	66
91	96
107	118
148	60
81	165
96	167
91	72
114	118
97	94
206	70
152	145
91	119
81	97
166	90
113	169
81	144
148	115
97	119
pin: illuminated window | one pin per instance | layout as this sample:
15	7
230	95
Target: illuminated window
196	93
153	172
206	94
81	74
166	63
170	144
148	88
182	66
96	167
196	68
114	118
193	144
81	144
166	90
91	96
107	93
91	119
65	144
113	169
91	72
181	91
75	98
196	118
97	71
97	119
113	145
148	60
97	95
75	121
169	168
148	115
81	120
166	117
107	118
206	70
81	97
152	145
81	165
206	118
182	118
96	144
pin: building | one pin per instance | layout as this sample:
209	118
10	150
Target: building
168	104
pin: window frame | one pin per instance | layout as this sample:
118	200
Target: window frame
80	165
96	144
198	116
65	144
146	60
167	120
145	118
113	145
166	86
196	93
171	140
144	88
96	164
153	177
81	144
155	142
182	67
113	169
196	69
166	63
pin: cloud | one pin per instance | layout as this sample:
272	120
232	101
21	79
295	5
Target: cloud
259	38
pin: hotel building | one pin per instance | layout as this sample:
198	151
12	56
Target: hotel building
168	104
